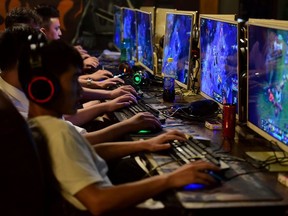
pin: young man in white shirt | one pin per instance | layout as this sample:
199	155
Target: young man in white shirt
81	171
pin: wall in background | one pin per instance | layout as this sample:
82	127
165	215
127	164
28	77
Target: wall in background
70	11
86	26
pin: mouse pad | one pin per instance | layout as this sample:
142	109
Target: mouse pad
242	188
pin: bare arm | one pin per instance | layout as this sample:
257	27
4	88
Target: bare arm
101	200
116	131
89	113
101	94
114	150
103	84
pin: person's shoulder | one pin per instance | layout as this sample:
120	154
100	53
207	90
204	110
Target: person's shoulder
48	121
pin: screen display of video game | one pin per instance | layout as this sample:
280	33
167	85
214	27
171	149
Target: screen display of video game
117	27
144	39
268	82
177	45
129	29
219	60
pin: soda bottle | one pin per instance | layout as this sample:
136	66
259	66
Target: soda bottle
125	50
169	81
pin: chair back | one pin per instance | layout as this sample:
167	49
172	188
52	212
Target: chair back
22	182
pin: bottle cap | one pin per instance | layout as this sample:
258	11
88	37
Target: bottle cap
170	60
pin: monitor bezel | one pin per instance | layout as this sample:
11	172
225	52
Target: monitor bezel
227	18
152	10
160	23
121	27
269	24
134	55
151	71
185	13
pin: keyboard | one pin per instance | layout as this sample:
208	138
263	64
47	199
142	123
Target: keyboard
190	150
133	109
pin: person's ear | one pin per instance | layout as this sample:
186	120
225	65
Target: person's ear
43	30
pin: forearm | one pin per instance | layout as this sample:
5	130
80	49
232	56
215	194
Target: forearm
111	133
87	114
128	195
95	94
116	150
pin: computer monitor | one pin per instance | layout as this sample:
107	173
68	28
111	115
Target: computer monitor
117	27
178	44
144	40
129	30
150	9
160	23
219	59
267	91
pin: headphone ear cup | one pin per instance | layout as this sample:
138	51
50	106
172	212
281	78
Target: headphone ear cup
40	85
195	37
42	89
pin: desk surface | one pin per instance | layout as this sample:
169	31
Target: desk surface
276	206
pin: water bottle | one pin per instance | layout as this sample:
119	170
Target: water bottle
169	81
125	50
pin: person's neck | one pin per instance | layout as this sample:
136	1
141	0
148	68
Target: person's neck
11	77
36	110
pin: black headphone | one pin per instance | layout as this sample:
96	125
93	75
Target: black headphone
141	78
40	85
195	35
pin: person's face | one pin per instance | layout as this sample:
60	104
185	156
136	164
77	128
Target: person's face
54	31
70	91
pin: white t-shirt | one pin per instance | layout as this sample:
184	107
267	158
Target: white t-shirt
21	102
74	162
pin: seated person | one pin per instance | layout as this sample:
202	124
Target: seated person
119	97
82	172
10	43
51	28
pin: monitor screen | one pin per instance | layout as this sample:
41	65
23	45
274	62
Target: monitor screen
178	44
219	67
160	22
129	30
117	27
150	9
268	82
144	40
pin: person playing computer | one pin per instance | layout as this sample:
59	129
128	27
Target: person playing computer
11	41
82	172
118	97
51	28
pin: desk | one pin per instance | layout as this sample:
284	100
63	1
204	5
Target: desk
237	148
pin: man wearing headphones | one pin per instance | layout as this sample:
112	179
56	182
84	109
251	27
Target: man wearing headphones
82	172
118	97
10	43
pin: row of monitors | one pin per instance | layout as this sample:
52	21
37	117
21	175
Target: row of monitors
246	65
138	27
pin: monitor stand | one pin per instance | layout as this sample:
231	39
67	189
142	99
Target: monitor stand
259	158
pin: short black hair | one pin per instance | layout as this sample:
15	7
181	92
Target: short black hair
12	40
46	12
22	15
56	56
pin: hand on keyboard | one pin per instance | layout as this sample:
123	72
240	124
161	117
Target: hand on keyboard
108	83
100	75
120	102
143	121
194	173
125	89
163	139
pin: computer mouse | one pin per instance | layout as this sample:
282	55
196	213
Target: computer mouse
148	132
197	186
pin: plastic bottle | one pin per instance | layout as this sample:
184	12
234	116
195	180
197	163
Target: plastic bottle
169	81
125	50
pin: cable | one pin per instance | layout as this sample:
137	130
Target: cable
151	171
87	7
